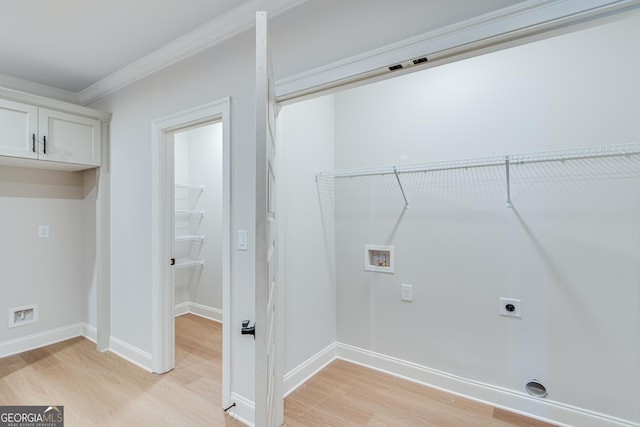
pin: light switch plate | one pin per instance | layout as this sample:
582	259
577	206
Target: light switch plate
243	244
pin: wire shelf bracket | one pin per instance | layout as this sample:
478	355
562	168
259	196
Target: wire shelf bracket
506	166
404	196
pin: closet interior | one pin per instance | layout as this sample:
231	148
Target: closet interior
198	221
507	188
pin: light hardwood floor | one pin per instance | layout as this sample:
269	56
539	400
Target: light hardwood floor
101	389
344	394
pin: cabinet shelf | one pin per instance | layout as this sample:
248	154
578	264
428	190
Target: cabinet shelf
186	263
190	237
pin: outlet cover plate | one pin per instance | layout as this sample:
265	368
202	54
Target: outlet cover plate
517	307
43	231
406	293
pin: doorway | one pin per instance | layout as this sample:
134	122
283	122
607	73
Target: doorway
198	228
180	259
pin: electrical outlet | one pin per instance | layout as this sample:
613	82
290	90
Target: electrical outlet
406	293
43	231
510	307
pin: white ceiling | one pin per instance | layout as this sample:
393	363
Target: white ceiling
71	44
79	50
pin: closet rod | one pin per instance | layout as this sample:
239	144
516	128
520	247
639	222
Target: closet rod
603	151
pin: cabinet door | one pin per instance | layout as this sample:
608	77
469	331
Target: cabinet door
69	138
18	129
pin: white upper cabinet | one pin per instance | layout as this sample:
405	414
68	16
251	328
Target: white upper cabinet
18	129
69	138
39	135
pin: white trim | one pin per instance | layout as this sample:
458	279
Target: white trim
235	21
453	42
182	309
54	104
40	339
163	333
103	244
510	400
90	332
200	310
301	374
18	84
131	353
244	411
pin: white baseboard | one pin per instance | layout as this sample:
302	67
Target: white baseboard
199	310
130	353
244	411
513	401
90	332
40	339
181	309
298	376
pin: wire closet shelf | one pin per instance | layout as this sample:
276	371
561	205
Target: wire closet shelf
602	151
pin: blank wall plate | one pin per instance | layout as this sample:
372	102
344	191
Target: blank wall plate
510	307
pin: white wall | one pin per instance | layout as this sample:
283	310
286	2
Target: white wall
224	70
57	272
199	162
308	221
570	248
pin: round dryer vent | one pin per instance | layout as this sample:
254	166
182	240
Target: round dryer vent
536	388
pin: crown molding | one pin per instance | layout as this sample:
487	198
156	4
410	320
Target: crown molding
201	38
26	86
466	38
48	100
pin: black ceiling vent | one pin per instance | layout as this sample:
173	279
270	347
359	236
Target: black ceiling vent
408	64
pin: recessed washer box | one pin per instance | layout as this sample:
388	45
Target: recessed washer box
379	258
25	315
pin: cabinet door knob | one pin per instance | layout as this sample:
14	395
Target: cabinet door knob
33	142
44	139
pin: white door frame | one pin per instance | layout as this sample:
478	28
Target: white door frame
163	333
103	245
